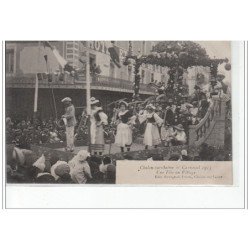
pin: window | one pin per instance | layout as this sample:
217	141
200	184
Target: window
9	61
69	45
70	56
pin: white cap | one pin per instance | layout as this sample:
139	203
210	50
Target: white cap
150	106
53	168
40	163
184	152
93	101
66	99
82	155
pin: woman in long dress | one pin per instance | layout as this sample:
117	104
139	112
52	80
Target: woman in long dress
153	122
125	119
97	120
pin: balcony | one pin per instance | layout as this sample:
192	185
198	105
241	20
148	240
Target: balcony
97	83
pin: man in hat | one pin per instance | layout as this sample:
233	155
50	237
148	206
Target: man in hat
70	122
197	94
169	112
167	133
225	88
222	88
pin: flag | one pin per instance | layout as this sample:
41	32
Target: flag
115	55
62	62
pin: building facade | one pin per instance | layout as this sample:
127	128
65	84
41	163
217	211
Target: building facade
25	59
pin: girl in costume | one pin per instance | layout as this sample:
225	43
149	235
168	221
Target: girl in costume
125	119
98	119
153	121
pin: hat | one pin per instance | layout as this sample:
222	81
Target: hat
221	75
82	155
53	159
66	99
184	152
62	169
18	155
53	168
123	102
8	120
179	127
150	106
45	178
40	163
93	101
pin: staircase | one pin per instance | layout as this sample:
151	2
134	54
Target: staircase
211	129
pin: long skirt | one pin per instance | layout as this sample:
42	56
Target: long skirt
97	138
70	137
151	135
123	136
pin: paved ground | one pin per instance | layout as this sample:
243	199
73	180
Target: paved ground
114	148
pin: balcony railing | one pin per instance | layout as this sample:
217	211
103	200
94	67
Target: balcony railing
97	82
200	132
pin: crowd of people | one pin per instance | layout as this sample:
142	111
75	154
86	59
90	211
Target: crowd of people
24	132
25	166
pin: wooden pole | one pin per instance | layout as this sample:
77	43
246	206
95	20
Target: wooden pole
88	96
35	98
36	84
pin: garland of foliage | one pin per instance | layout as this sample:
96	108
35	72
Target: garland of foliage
177	56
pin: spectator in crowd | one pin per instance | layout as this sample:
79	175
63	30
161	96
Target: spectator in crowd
197	94
194	112
185	156
95	162
42	175
204	104
79	167
63	171
180	137
167	135
108	169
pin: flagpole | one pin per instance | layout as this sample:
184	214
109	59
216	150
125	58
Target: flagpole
36	85
88	96
36	97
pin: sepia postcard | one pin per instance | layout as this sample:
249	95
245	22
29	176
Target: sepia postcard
119	112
